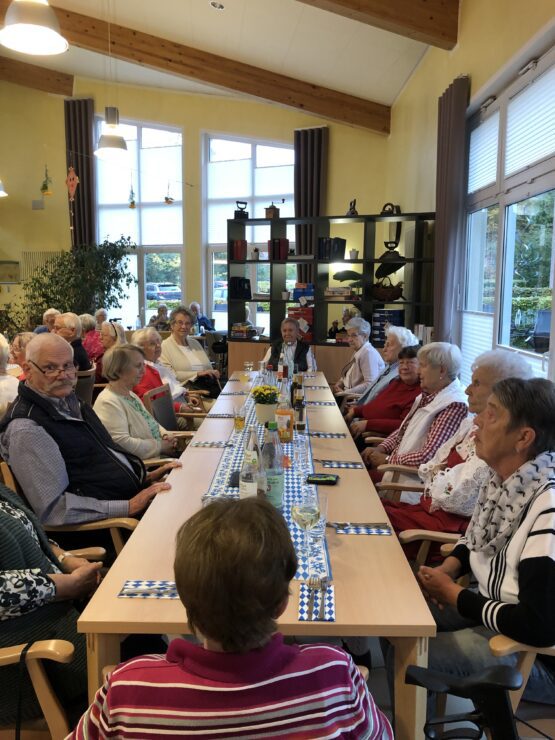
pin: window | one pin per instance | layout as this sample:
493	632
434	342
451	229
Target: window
255	172
508	297
142	198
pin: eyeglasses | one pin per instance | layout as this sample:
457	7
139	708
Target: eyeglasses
183	323
52	371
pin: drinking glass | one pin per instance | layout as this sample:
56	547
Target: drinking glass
306	514
239	418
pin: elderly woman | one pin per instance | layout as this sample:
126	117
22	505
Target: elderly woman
17	349
38	582
234	562
160	319
397	337
435	415
101	315
454	475
387	410
122	412
8	383
186	356
91	337
366	364
111	334
509	546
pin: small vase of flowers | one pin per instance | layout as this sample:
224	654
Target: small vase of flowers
266	401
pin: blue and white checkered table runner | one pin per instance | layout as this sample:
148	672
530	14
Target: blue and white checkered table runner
232	460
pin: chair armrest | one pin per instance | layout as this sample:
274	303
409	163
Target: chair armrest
395	486
157	462
414	535
501	645
393	468
60	651
371	440
446	549
121	521
182	435
89	553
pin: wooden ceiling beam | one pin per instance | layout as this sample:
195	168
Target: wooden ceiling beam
434	22
167	56
39	78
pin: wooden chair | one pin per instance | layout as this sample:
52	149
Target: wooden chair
55	723
114	524
159	403
85	385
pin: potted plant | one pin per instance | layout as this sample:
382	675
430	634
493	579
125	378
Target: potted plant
266	401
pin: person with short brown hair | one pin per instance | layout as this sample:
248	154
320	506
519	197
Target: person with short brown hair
233	564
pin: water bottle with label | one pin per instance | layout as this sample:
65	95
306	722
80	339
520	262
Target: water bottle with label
248	477
272	462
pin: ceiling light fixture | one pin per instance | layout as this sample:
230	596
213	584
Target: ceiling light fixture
216	5
3	193
31	27
111	145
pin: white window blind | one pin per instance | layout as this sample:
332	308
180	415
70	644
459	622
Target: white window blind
531	124
482	166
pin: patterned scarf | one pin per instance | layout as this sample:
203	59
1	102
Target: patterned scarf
500	504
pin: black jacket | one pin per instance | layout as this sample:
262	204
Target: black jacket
301	352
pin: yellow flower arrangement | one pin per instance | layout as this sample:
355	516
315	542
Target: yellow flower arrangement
265	394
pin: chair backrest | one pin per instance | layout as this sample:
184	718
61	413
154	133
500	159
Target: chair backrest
159	403
85	385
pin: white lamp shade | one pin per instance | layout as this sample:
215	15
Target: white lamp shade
31	27
111	147
3	193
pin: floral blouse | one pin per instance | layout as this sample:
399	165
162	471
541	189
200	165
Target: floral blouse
23	591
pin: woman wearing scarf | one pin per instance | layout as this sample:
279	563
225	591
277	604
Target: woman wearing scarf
509	546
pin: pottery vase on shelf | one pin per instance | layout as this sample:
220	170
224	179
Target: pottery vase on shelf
265	412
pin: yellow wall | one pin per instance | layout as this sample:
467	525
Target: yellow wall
356	166
491	32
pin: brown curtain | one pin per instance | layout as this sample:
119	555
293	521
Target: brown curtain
450	213
311	169
79	115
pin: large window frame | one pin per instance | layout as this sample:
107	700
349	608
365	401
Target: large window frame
141	204
256	203
504	192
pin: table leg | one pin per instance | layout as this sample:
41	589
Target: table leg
410	701
102	650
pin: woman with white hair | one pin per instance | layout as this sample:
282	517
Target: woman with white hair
111	334
396	338
91	337
8	383
17	349
435	415
453	477
366	364
101	315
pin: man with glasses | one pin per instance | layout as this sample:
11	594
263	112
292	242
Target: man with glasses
70	469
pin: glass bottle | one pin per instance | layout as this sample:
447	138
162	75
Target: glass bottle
285	418
299	409
272	463
248	477
281	367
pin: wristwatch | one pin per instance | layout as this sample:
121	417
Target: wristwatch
63	556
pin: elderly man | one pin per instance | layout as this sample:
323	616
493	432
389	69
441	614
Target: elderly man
160	320
295	351
68	466
201	319
47	321
68	326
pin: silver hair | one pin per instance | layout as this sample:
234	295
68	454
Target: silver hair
118	359
4	353
442	353
195	303
49	312
403	335
503	364
361	325
140	337
72	321
88	322
39	341
116	330
100	311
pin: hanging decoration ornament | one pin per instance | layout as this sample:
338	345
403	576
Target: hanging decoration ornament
46	183
168	200
132	203
72	181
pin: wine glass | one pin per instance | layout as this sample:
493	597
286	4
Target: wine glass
306	514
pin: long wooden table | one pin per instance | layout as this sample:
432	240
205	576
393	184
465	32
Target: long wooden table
376	593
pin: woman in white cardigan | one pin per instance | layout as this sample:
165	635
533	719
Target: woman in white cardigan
122	412
366	364
183	354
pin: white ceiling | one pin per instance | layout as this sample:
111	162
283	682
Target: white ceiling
283	36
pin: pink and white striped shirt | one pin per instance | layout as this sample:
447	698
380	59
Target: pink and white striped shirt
278	691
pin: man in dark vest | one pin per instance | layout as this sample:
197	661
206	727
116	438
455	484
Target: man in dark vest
295	351
68	466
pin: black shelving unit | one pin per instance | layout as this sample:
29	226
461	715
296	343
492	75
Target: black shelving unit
416	245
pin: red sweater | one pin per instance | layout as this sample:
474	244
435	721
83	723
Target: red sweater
151	379
386	411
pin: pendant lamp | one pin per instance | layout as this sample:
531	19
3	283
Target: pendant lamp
111	146
31	27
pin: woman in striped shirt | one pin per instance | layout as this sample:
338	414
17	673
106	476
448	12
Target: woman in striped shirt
234	561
